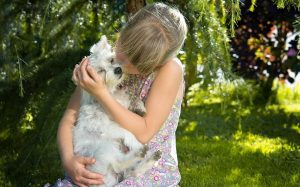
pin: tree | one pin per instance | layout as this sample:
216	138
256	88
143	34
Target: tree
42	41
269	51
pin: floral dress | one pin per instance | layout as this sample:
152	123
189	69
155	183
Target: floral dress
165	172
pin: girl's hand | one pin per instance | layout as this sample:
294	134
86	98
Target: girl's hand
76	169
87	78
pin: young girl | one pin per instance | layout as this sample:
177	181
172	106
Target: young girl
147	47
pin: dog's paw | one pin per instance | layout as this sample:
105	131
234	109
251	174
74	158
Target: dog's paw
143	151
139	112
137	106
157	155
122	146
120	176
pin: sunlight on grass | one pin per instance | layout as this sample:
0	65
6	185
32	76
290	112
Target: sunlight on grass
224	140
253	143
191	126
295	178
185	138
291	108
217	138
234	175
288	108
286	93
296	128
212	100
213	161
244	112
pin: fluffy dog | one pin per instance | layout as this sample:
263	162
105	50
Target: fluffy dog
117	152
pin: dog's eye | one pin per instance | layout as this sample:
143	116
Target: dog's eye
112	60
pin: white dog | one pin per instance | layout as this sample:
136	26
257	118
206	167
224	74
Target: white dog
117	152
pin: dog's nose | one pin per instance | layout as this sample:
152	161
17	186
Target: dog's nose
118	70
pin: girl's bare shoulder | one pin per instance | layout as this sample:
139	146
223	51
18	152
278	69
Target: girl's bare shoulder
172	67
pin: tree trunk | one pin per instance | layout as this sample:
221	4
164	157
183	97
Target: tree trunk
133	6
95	8
191	63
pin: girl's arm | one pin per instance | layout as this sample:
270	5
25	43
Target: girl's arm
74	165
64	133
158	105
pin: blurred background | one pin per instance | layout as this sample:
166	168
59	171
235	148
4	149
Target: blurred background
240	120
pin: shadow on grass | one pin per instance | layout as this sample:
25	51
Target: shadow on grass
207	162
29	155
238	147
210	120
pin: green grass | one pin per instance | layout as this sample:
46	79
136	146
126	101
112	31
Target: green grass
219	142
250	146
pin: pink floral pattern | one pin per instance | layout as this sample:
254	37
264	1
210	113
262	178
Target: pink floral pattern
166	172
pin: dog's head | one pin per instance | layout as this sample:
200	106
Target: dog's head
102	59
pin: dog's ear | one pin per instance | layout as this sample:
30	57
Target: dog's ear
103	39
94	48
102	44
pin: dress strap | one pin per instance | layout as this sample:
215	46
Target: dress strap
146	86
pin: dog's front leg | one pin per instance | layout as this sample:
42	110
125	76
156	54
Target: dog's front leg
143	166
129	157
138	107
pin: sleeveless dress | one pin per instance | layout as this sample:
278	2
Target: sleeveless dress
165	172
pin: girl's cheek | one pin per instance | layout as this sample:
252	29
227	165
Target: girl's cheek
121	58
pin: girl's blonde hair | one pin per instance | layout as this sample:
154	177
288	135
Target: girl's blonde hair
153	35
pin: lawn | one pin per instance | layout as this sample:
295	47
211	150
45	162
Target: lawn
218	145
239	146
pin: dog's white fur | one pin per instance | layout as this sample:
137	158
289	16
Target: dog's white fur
96	135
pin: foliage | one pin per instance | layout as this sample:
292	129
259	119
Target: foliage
33	29
287	3
266	45
29	151
42	41
225	92
207	42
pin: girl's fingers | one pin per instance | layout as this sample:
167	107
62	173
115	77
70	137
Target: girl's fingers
91	175
81	185
86	160
92	73
74	76
90	181
78	75
83	71
83	59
